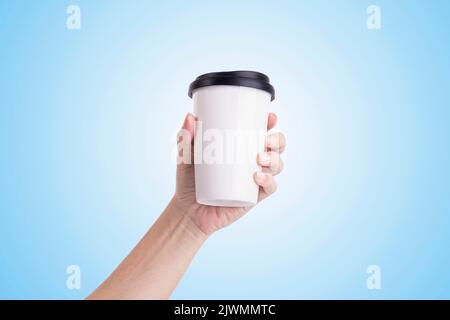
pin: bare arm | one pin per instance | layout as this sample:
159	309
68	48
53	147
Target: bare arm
155	266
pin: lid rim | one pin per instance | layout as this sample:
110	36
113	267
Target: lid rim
251	79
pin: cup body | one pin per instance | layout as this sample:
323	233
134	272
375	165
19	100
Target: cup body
230	131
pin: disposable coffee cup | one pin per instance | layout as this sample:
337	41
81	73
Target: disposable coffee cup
232	110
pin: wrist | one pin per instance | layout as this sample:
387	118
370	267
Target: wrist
183	214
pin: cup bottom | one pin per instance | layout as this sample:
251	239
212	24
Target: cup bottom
225	203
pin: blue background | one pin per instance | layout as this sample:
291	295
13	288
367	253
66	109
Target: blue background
87	128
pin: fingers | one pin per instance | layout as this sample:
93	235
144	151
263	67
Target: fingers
275	142
266	182
272	121
270	162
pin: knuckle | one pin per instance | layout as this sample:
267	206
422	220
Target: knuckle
274	160
281	167
273	186
282	139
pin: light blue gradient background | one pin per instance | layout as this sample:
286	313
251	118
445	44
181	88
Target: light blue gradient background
87	124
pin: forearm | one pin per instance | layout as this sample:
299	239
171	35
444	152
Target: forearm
155	266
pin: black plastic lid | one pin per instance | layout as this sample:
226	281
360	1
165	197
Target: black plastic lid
251	79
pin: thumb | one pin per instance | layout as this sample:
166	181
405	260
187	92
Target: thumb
185	140
189	124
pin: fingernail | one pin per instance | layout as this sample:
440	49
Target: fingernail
264	158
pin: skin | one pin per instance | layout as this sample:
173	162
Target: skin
154	267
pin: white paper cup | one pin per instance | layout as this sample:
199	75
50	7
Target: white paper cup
232	110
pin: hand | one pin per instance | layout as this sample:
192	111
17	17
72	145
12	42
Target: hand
154	267
211	218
